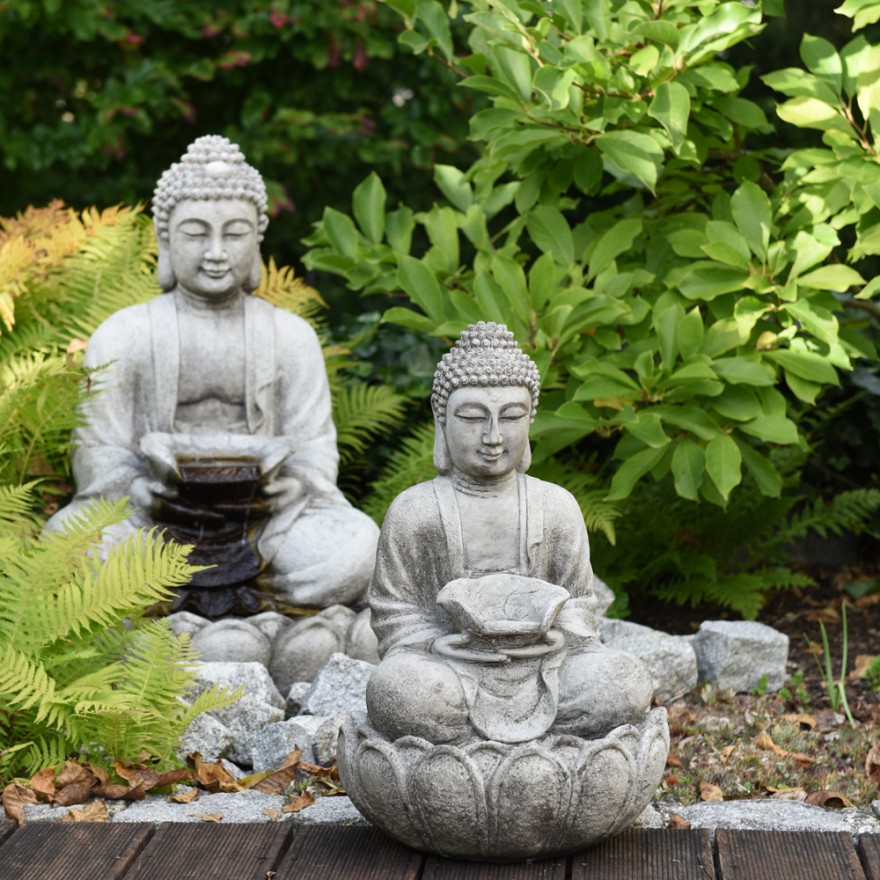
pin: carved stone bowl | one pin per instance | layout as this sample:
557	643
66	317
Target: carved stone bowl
499	801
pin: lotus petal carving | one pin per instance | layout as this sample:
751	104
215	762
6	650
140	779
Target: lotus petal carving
489	800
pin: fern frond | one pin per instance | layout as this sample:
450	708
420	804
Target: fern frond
17	514
283	289
25	685
361	413
847	512
413	463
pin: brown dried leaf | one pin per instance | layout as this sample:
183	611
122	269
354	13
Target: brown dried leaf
292	758
76	792
122	792
801	719
186	797
149	779
672	760
710	792
73	773
15	798
828	799
765	742
726	752
298	802
212	777
788	794
276	782
209	817
94	811
44	782
678	823
872	765
863	664
100	774
274	815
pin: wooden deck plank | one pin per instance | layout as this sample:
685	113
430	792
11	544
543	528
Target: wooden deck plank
221	852
7	826
869	849
783	855
647	854
78	851
438	868
348	853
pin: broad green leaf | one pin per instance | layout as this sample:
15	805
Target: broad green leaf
688	418
690	333
724	464
808	365
410	319
722	252
836	277
632	470
571	10
554	85
818	321
705	280
660	32
341	231
753	216
793	81
868	86
671	107
862	12
551	233
514	68
666	325
399	226
722	336
422	286
617	240
648	428
741	371
813	113
454	185
543	281
724	27
631	156
773	429
737	402
436	21
802	389
490	298
762	469
688	466
510	276
368	202
821	58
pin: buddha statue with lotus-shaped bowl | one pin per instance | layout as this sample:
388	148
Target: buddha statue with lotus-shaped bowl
498	726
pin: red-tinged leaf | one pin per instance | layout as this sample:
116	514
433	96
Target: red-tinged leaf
298	802
94	811
15	798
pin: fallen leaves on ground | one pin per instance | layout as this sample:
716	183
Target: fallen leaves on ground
77	782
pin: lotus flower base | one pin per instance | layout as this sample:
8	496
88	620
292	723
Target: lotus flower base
497	801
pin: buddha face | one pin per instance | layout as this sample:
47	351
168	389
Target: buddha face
487	429
213	245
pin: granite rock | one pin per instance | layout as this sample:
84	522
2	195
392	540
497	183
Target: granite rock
339	687
253	677
670	660
239	806
232	640
207	736
295	695
244	719
738	654
270	745
186	621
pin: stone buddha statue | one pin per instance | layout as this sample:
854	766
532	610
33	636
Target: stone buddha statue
212	409
491	672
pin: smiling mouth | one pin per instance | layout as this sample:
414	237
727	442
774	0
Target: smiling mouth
215	273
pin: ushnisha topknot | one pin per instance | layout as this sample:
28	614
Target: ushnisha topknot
212	168
485	354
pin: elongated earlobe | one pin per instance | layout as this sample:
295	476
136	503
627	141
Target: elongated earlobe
255	276
441	453
164	273
526	461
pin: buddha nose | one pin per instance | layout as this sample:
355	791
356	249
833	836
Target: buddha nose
491	434
216	251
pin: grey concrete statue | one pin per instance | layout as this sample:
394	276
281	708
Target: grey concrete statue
498	726
213	414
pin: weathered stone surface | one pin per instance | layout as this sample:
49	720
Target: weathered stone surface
295	695
327	737
361	642
339	687
253	677
481	800
244	719
737	654
207	736
52	813
777	815
301	649
232	640
604	595
670	660
186	621
270	745
270	623
336	810
240	806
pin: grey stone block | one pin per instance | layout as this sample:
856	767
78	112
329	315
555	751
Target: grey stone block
670	660
339	688
336	810
270	745
737	654
254	677
295	695
207	736
240	806
244	719
186	621
232	640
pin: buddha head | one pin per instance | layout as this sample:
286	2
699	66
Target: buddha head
210	216
484	398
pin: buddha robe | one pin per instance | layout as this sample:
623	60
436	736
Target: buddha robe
286	396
